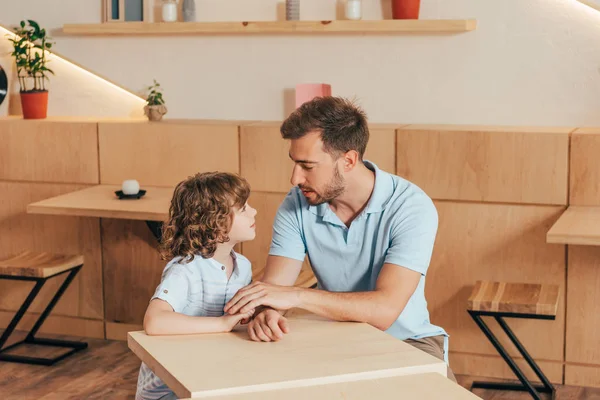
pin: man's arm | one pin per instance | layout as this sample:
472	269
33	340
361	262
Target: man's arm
281	271
380	307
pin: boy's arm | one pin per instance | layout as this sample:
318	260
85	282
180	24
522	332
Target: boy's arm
160	319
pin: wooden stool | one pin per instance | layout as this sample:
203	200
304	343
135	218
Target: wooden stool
514	300
38	267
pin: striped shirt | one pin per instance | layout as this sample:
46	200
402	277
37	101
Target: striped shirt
199	288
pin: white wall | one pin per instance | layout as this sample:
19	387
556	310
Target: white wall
530	62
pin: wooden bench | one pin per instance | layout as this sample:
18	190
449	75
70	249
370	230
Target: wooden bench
513	300
38	267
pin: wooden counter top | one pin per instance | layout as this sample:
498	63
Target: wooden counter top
101	201
577	225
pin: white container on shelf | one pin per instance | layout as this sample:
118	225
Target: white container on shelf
169	10
354	9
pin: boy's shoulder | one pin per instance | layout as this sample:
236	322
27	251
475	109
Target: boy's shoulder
198	264
180	266
242	260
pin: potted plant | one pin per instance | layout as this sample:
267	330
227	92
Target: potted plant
29	51
155	104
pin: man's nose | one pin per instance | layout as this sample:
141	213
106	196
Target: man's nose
297	176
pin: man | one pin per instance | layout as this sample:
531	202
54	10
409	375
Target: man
369	236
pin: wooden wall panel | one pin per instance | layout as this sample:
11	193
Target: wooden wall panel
48	151
381	147
257	250
585	167
495	367
494	242
583	305
163	154
57	325
265	158
132	269
58	234
582	375
486	164
117	331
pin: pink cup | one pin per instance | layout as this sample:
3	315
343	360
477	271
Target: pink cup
308	91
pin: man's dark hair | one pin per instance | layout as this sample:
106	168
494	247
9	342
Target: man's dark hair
343	125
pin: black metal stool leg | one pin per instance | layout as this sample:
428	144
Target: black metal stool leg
31	339
548	387
20	313
52	303
525	383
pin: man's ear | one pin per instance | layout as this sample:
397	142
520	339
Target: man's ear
350	160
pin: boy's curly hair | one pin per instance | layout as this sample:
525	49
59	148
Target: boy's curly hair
201	214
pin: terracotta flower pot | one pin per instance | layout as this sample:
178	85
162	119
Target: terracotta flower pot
406	9
155	113
34	104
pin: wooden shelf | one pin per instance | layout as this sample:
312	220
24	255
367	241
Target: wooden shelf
272	27
578	225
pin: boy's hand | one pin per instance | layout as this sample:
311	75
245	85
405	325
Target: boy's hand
232	320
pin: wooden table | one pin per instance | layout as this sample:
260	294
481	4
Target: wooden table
101	201
315	352
429	386
577	225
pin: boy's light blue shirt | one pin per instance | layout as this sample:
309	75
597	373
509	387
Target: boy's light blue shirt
398	226
199	288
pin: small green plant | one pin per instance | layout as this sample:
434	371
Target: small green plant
29	51
155	104
155	97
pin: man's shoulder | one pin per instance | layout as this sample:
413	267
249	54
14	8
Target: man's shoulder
408	197
405	189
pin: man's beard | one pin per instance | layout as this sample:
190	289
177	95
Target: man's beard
333	189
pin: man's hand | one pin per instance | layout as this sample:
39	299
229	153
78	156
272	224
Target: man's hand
263	294
268	326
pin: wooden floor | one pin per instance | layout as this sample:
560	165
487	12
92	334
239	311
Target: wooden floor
108	370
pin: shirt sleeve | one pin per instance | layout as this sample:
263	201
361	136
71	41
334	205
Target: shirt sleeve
287	235
173	288
413	234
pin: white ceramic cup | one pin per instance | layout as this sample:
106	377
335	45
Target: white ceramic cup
354	9
130	186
